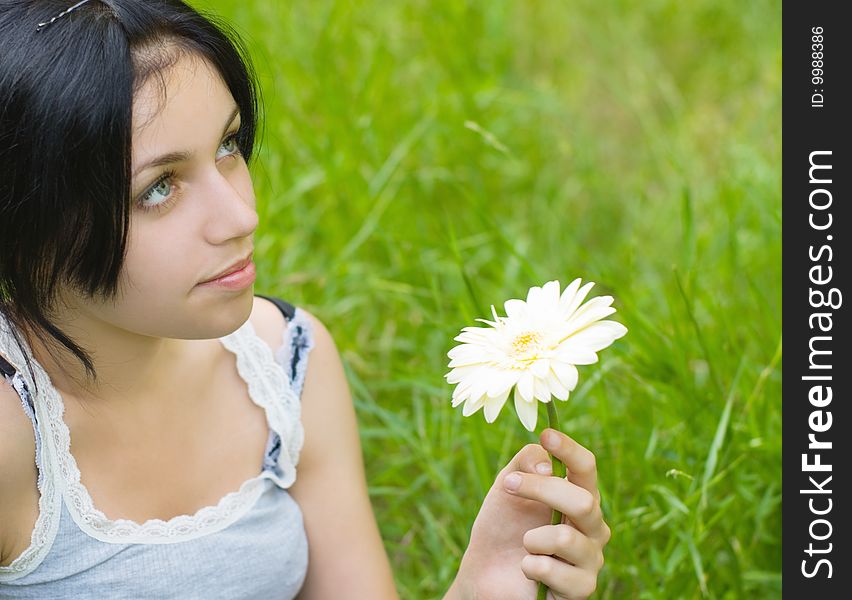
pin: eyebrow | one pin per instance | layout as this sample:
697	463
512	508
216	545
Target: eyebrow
173	157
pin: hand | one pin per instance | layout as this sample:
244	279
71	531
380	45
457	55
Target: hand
513	546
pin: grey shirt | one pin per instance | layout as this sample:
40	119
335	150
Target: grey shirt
252	544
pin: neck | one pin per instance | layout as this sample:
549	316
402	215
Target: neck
129	366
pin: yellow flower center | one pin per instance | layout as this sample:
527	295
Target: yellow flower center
526	344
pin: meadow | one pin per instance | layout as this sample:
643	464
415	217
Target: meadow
422	160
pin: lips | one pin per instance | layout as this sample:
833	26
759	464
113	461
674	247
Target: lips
240	264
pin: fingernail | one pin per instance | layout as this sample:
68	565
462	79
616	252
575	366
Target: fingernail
551	440
544	468
512	481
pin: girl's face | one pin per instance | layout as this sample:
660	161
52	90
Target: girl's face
192	216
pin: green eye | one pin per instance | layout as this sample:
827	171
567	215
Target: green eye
162	187
162	191
230	144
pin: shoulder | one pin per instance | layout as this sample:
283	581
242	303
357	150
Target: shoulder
324	387
268	322
344	534
271	325
17	461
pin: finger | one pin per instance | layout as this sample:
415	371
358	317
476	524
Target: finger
573	501
528	459
578	460
565	542
563	579
535	459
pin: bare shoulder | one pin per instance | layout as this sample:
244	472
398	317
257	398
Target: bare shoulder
268	322
18	475
327	406
328	410
343	533
270	325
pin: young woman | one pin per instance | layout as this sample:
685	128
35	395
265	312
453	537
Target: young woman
153	409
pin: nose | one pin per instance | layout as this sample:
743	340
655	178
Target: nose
228	198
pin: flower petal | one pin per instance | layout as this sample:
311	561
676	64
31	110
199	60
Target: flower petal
567	374
515	309
569	292
533	295
550	292
540	367
526	387
570	304
459	373
527	411
479	386
593	310
465	351
501	380
466	362
493	406
598	336
575	355
542	390
471	406
463	388
459	399
469	354
556	387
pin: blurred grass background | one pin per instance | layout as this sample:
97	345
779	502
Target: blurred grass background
423	160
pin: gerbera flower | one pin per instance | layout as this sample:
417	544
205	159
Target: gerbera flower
534	349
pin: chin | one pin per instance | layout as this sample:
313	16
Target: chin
243	305
228	314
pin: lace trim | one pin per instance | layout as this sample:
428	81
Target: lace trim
47	523
266	380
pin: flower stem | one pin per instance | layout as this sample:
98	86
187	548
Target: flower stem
558	471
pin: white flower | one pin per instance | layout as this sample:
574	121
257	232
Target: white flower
534	348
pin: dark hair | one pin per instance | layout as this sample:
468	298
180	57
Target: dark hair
66	96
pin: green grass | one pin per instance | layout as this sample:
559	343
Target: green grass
425	159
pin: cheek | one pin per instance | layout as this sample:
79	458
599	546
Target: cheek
157	286
154	290
157	264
